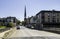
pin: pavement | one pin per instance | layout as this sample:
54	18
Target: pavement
2	34
24	32
6	32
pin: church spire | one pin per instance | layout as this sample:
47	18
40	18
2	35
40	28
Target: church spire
25	12
25	16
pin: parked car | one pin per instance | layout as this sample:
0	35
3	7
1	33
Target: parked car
18	27
29	26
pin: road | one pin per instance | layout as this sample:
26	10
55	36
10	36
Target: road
25	32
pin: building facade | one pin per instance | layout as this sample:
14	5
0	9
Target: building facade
45	18
7	20
49	18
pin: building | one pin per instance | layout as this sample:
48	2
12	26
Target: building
48	18
11	19
5	21
45	18
28	20
25	16
31	21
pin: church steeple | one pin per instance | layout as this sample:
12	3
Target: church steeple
25	12
25	16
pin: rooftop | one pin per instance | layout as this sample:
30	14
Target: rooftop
43	11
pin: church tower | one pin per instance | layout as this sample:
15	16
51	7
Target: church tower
25	16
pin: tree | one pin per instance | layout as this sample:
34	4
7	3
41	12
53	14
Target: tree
23	22
1	23
18	22
10	24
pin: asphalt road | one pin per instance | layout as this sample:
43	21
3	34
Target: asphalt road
25	33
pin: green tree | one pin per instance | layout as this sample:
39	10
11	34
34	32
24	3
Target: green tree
10	24
1	23
18	22
23	22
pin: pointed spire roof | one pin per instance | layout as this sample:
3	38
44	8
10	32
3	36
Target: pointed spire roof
25	12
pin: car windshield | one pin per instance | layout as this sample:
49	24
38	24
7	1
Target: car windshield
29	19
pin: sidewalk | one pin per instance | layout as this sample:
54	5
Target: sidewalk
2	34
55	30
6	33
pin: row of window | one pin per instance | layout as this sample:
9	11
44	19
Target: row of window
53	20
53	14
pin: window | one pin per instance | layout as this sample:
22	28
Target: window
48	19
53	19
57	19
48	14
54	14
57	14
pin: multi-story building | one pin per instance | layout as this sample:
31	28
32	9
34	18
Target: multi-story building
48	18
7	20
28	21
31	21
11	19
45	18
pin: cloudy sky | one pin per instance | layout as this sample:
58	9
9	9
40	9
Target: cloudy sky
16	7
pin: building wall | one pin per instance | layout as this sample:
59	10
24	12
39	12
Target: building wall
52	16
45	17
59	17
39	19
31	20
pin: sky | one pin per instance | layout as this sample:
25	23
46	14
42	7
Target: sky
16	8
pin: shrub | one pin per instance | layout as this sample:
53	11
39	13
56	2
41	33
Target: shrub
3	27
10	24
1	23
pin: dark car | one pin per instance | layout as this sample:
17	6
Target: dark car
18	27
